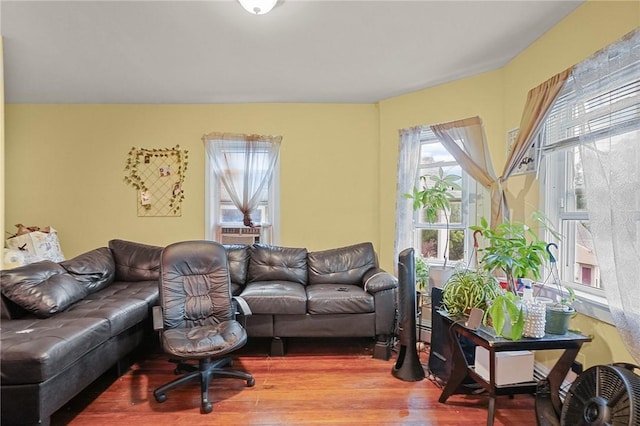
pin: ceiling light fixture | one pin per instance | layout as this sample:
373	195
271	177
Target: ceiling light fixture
258	7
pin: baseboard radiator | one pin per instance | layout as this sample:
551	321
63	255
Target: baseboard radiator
540	371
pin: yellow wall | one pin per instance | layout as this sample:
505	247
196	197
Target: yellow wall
65	168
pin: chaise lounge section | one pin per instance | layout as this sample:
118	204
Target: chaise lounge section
65	324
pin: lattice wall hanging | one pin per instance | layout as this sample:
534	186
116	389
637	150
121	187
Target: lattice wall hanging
157	175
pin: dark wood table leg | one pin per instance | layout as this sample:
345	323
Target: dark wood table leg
492	409
459	369
558	373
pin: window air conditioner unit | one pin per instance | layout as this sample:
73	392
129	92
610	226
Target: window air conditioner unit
239	235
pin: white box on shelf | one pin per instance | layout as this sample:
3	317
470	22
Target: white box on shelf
511	366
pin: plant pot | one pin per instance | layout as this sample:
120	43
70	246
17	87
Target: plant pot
439	275
557	320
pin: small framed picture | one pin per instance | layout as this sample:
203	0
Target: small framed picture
177	189
145	198
165	171
529	162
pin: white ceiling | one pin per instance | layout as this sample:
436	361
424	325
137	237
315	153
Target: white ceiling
215	52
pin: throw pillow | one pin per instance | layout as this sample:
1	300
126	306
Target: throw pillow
94	269
42	288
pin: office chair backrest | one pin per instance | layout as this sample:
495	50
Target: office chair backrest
195	288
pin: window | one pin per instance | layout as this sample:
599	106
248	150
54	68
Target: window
613	116
221	213
432	240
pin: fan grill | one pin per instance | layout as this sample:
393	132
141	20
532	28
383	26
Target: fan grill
603	395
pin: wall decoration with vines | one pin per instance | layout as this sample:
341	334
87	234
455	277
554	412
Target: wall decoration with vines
158	176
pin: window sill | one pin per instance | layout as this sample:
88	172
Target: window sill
590	305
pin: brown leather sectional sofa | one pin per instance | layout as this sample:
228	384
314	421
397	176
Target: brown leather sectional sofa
65	324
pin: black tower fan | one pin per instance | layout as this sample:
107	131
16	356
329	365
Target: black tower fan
407	366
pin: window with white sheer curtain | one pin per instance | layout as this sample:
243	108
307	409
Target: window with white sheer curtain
242	184
605	111
422	153
592	180
432	239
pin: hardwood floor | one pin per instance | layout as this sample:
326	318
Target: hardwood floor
319	381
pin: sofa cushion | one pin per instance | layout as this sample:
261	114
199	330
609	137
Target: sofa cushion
140	290
94	269
36	350
345	265
42	288
325	299
238	257
271	263
135	261
121	313
275	297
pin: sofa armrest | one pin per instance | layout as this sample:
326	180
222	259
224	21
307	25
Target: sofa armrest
377	279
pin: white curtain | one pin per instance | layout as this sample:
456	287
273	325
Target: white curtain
608	93
255	156
408	160
473	156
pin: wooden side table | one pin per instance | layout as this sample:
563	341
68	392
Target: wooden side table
485	337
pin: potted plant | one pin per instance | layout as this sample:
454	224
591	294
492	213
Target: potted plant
468	289
559	313
422	275
514	249
433	198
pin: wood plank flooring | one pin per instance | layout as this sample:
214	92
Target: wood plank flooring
319	381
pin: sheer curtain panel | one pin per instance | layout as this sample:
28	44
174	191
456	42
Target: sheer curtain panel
608	97
466	142
254	155
408	160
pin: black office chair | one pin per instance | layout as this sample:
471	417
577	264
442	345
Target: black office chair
196	316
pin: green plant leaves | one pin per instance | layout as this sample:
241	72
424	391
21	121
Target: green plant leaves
505	308
468	289
513	248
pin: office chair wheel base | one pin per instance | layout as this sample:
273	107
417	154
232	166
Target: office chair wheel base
161	397
251	382
206	408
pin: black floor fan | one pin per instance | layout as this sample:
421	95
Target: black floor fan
601	395
407	366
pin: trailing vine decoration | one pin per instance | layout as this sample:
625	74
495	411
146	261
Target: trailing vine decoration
139	157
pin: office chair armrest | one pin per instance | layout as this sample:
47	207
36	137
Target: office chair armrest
158	321
241	306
